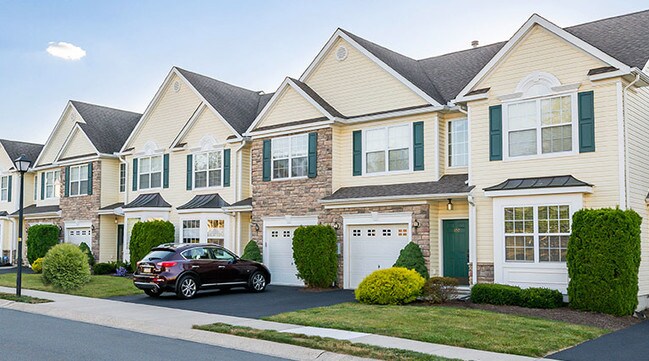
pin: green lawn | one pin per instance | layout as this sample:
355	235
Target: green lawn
99	286
23	299
477	329
323	343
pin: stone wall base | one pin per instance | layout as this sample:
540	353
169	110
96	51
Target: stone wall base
485	273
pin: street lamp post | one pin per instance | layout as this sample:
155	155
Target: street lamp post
21	164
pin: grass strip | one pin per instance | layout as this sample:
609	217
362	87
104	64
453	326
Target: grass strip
98	287
23	299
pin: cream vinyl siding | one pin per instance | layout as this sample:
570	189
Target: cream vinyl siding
7	237
637	118
59	136
78	145
438	213
290	106
207	124
343	154
443	145
244	232
108	238
109	182
5	164
245	185
357	85
543	51
167	117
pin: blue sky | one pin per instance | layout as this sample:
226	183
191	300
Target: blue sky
131	45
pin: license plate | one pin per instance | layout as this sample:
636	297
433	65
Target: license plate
147	269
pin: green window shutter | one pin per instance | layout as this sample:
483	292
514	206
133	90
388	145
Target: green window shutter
266	160
418	145
226	167
89	178
42	186
586	104
496	132
135	174
165	171
357	152
190	172
313	155
9	188
67	181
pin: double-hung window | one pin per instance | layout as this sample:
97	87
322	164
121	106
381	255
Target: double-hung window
4	188
122	178
150	172
216	231
537	233
458	143
78	182
192	231
388	149
540	126
52	184
290	156
208	169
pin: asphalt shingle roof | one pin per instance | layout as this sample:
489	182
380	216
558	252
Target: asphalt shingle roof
448	184
37	210
107	128
15	149
317	98
205	201
538	182
243	203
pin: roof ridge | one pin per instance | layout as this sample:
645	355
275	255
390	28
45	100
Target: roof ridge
102	106
462	51
21	142
217	80
609	18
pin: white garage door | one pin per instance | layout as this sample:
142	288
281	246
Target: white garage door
78	235
279	246
374	247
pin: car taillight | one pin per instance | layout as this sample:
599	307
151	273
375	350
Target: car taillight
163	265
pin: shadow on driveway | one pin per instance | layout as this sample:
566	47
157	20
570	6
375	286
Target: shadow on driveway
13	269
629	344
241	303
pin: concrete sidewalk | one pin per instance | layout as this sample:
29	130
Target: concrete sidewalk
174	323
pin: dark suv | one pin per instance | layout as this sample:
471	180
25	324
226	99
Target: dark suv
187	268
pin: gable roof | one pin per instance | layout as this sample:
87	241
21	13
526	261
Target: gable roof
15	149
106	128
317	98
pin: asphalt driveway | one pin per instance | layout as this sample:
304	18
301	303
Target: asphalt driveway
4	270
241	303
629	344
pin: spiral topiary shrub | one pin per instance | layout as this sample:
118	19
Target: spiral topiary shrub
40	238
252	252
146	235
66	267
411	257
390	286
37	266
316	255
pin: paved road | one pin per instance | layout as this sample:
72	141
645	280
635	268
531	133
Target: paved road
25	336
4	270
240	303
629	344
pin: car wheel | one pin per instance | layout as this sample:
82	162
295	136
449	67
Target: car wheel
186	287
154	292
257	282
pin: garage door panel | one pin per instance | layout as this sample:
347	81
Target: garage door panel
279	246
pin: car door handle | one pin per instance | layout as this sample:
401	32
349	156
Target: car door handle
221	267
193	267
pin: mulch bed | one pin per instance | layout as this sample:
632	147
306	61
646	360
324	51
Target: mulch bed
564	314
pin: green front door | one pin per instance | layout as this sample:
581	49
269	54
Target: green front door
456	249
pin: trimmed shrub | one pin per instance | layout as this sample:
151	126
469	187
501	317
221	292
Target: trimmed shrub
37	266
252	252
104	268
411	257
603	260
496	294
40	238
541	298
390	286
315	252
65	266
85	249
146	235
440	289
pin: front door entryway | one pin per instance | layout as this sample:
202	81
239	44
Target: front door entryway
120	242
455	238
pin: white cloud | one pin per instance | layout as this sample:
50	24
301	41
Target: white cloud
65	50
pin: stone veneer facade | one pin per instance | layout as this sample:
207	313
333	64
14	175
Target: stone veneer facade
84	208
485	272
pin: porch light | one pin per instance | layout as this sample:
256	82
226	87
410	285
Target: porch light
256	226
336	226
449	205
415	224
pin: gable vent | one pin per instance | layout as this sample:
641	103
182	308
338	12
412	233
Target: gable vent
176	86
341	53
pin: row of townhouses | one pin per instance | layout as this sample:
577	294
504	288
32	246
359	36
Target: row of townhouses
479	156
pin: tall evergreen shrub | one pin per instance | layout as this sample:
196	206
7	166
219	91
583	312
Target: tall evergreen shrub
40	238
411	257
252	253
146	235
315	252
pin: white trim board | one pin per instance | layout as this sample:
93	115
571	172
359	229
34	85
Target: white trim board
75	129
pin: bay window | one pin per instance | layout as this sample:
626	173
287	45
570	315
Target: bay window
458	143
387	149
208	169
150	172
290	156
216	231
78	181
191	231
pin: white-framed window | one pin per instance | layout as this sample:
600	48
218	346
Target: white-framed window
150	172
541	126
35	187
122	178
536	233
216	231
52	184
290	156
191	231
78	182
458	143
208	169
387	149
4	188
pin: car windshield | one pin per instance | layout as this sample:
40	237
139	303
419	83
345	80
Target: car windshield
158	255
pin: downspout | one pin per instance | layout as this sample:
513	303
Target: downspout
125	243
627	199
473	244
